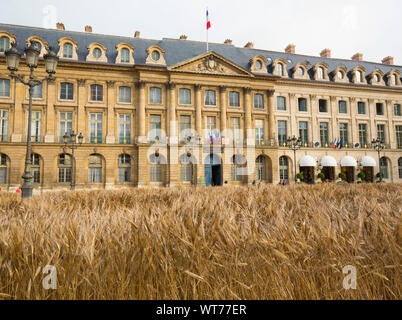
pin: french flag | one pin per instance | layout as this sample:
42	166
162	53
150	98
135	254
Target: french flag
335	144
208	22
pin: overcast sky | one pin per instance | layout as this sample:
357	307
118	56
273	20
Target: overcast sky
372	27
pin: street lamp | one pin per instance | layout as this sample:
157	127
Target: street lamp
72	139
13	57
294	144
378	145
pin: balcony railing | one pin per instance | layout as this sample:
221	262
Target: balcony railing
124	140
95	139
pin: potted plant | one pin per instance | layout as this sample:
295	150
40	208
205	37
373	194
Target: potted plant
321	176
361	177
342	177
299	177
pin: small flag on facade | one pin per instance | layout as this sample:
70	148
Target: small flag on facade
335	144
340	144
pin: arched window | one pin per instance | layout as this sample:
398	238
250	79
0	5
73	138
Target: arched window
320	73
35	167
67	50
300	71
125	55
155	169
4	44
260	174
394	80
359	76
284	169
37	45
4	163
97	53
279	69
340	75
238	163
400	167
186	168
384	167
95	168
124	168
65	168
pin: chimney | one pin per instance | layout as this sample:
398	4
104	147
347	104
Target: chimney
183	37
388	60
137	34
88	29
290	48
228	41
60	26
358	57
326	53
249	45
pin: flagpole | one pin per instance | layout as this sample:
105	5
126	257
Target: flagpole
207	32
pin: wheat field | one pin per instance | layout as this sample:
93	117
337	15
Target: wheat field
266	242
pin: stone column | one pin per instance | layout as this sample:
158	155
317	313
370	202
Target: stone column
354	127
334	123
142	166
110	132
50	114
248	121
372	114
222	95
271	116
142	138
173	165
391	129
19	120
293	111
81	118
313	133
198	109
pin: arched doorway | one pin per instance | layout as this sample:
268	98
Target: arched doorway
349	165
307	167
263	169
4	169
213	170
328	165
368	164
384	168
284	170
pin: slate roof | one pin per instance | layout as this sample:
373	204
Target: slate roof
180	50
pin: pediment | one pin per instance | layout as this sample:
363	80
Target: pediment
211	63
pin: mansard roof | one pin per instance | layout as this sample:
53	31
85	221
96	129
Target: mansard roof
178	51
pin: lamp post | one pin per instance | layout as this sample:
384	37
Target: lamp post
72	139
378	145
13	57
294	144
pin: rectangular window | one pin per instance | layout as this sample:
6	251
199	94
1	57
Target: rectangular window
342	107
124	174
67	91
210	98
259	132
379	109
235	130
95	175
185	96
37	92
155	174
155	127
155	95
36	126
124	128
66	124
282	132
322	105
211	123
4	88
96	127
64	175
303	131
361	107
96	92
125	55
343	132
125	94
185	128
281	103
3	169
324	134
397	110
381	132
186	172
234	99
398	131
302	104
3	125
363	135
258	101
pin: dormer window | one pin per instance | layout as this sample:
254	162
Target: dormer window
300	71
340	75
125	55
258	65
279	69
97	53
4	44
320	73
156	55
68	50
359	76
394	80
36	45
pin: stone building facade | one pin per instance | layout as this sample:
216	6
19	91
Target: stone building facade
166	113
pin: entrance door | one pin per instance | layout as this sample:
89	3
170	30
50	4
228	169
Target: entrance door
350	174
208	175
369	172
308	174
329	173
216	175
